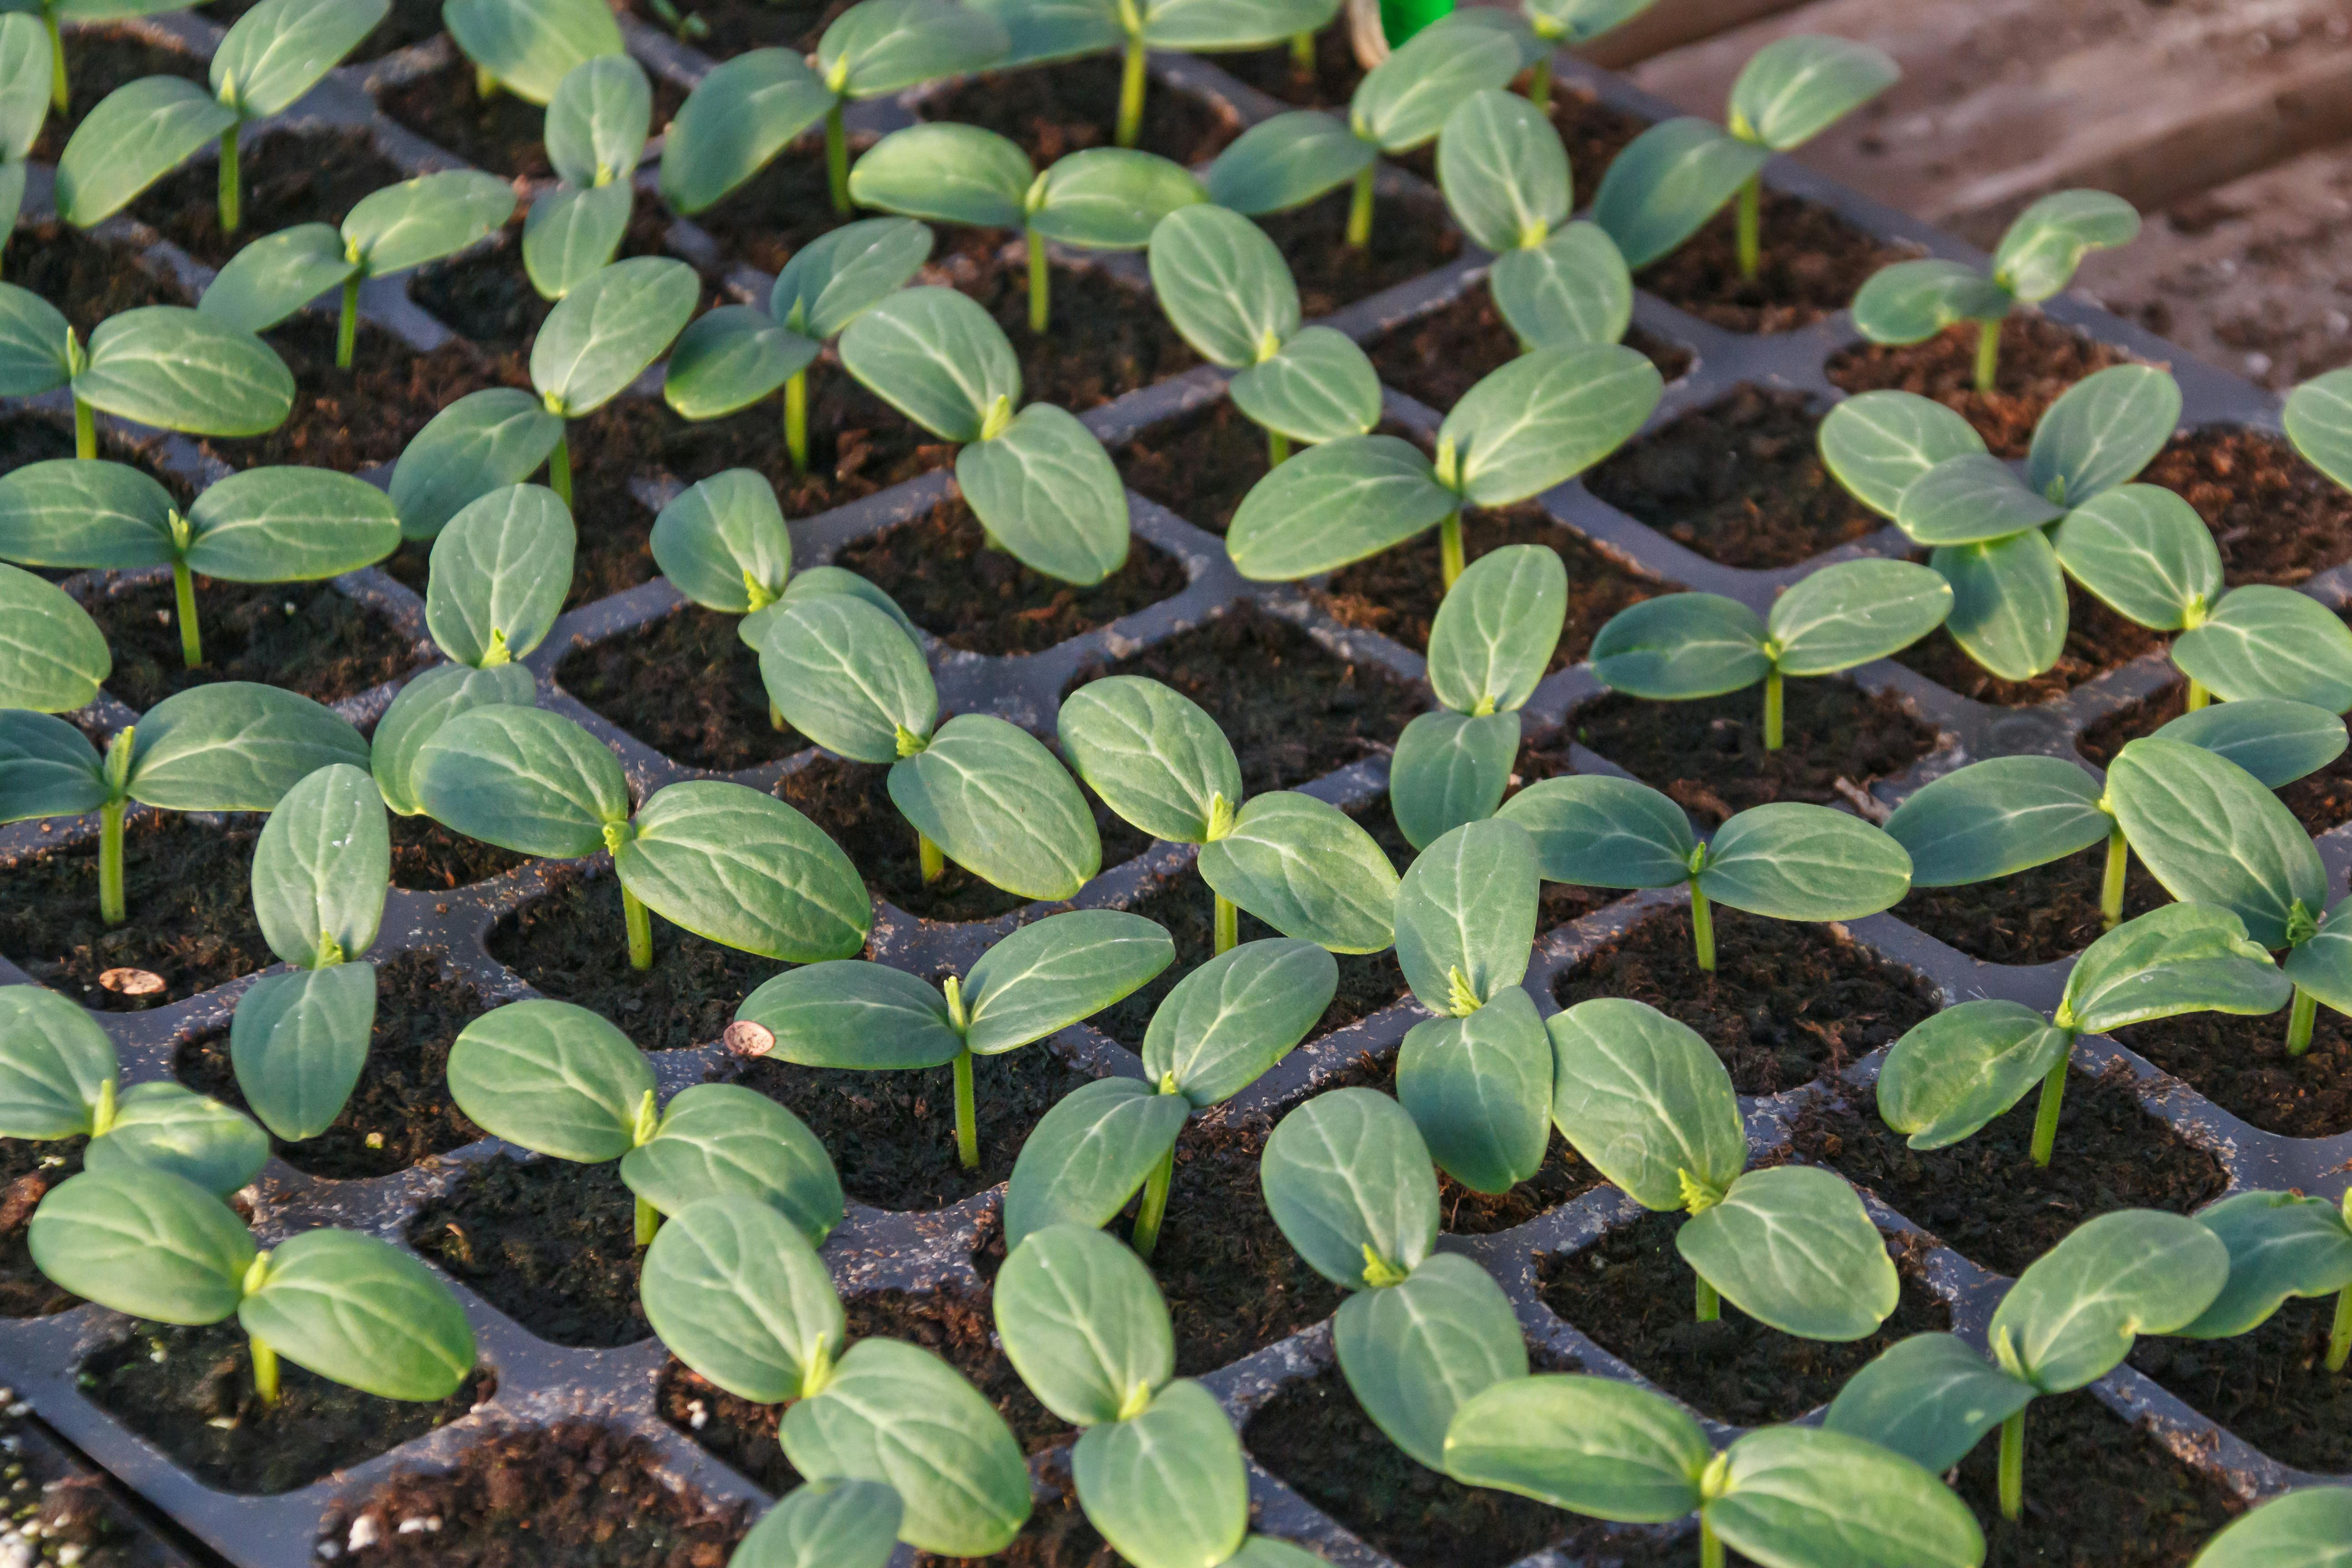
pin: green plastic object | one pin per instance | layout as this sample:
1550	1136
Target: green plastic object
1400	19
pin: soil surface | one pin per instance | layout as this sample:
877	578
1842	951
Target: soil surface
1740	481
502	134
71	1508
1051	110
427	857
96	64
348	419
1198	466
2037	916
289	177
1411	235
2276	518
1812	264
2271	1386
577	1494
187	888
27	436
1438	357
688	686
400	1112
1985	1197
304	636
2039	360
28	1168
485	294
1632	1292
761	221
723	28
858	445
1293	710
1709	754
1788	1003
1105	337
189	1391
2319	800
87	280
549	1243
892	1134
2241	1065
2097	640
572	945
952	583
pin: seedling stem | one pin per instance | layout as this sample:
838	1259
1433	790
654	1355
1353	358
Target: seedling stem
1278	448
347	325
2046	1118
1040	282
60	94
265	1370
1539	83
1988	353
1751	223
485	86
796	425
231	202
1145	1239
559	468
2111	891
184	600
1449	546
1229	923
85	431
640	922
966	1117
837	158
935	864
2198	696
1710	1303
648	1222
2012	1466
2299	1022
1131	92
2340	1340
112	907
1710	1546
1359	210
1302	54
1772	712
1702	930
776	716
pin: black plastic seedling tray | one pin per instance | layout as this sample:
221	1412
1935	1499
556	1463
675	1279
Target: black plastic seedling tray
876	1249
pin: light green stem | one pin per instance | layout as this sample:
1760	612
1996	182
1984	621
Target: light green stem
1539	81
1710	1545
1711	1302
1145	1239
648	1222
1041	281
232	198
1131	92
640	921
1773	712
934	863
183	602
1703	929
796	420
967	1118
559	467
85	430
1278	448
2299	1021
1449	548
1988	353
485	86
837	158
2198	696
60	94
2013	1467
264	1369
347	325
2340	1339
1359	210
2045	1118
1302	54
1752	225
1229	923
2111	891
775	717
112	907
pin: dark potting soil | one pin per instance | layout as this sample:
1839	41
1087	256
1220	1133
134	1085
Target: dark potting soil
892	1134
87	280
2320	800
504	134
955	1324
2039	360
400	1112
1812	262
1293	712
189	1391
730	27
2097	640
96	64
1709	754
1740	481
2037	916
858	445
944	573
28	1168
486	296
2271	1386
289	177
1411	235
75	1512
187	888
427	857
1198	466
348	419
1397	592
1633	1294
1438	357
304	636
1984	1195
576	1494
688	686
761	221
2241	1065
1054	109
1788	1003
2276	518
1329	85
549	1243
572	945
410	22
610	447
27	436
2100	1492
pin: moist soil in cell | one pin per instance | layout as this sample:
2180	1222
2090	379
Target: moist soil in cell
2270	1387
2035	916
28	1168
1411	237
349	419
858	445
1198	466
1812	263
1055	110
96	64
486	295
88	280
27	437
289	177
688	686
427	857
2320	800
2097	640
550	1243
764	221
1105	337
1438	357
2275	518
303	637
725	28
2040	359
611	447
2242	1065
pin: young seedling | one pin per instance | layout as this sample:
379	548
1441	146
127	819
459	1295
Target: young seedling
352	1308
977	790
1546	27
59	1079
739	1294
752	107
484	441
1401	104
1680	646
1917	462
143	131
2007	815
1679	173
299	1041
1778	1494
597	125
2310	1526
51	14
229	746
1347	1179
1041	30
260	525
825	1524
53	658
1911	301
1493	638
600	338
1221	1028
1785	861
1224	285
1038	981
728	863
2070	1320
561	1081
1648	1102
387	231
2281	1245
1505	178
528	47
1101	198
1535	423
28	62
1957	1069
733	356
164	365
1039	480
1308	870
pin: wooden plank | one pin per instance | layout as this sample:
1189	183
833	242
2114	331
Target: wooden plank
2004	100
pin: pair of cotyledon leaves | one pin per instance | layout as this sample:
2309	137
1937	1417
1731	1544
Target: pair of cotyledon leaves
1911	301
597	125
140	131
350	1308
1679	173
53	658
1041	30
1099	198
164	365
